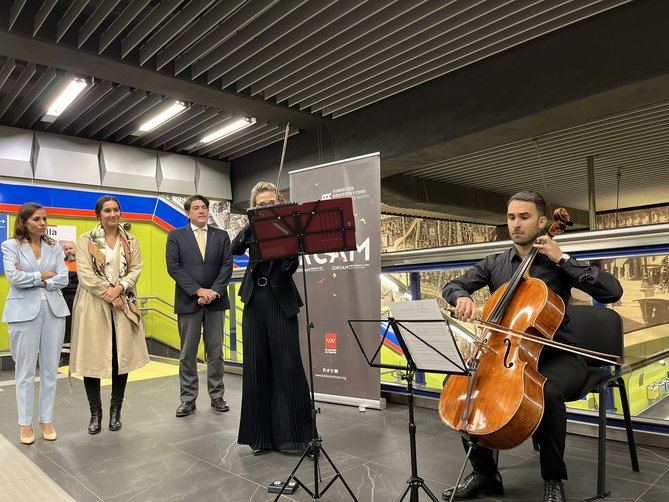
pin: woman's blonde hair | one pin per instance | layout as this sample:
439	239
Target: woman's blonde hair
264	186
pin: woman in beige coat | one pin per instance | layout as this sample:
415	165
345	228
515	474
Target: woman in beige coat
107	332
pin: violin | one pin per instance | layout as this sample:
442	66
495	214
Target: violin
500	404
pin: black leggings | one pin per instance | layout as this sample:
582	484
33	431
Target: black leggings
92	385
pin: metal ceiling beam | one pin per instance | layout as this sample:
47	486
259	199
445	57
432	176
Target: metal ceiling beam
29	98
130	119
103	10
259	145
6	71
81	104
116	112
361	14
18	86
584	142
121	23
71	14
192	34
59	56
394	36
278	80
42	14
255	140
150	22
14	12
109	101
247	13
243	64
383	57
172	28
446	64
258	35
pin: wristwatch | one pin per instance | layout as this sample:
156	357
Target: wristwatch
563	259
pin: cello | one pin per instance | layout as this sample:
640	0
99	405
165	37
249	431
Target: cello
501	403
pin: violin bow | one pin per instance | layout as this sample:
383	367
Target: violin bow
283	157
600	356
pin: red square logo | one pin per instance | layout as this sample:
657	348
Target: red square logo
330	343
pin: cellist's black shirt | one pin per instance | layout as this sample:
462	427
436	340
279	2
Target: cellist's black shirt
495	270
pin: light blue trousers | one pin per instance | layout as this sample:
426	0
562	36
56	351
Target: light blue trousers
42	337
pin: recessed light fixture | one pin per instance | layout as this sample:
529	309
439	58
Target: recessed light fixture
235	126
170	112
67	95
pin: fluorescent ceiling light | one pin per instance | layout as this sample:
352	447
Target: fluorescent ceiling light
235	126
176	108
65	98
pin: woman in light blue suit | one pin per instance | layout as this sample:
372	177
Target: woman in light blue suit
35	311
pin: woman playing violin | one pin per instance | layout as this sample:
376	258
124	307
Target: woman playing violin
565	372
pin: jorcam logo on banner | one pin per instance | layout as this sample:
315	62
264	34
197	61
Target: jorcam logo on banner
344	285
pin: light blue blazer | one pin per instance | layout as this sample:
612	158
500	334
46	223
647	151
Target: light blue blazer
23	298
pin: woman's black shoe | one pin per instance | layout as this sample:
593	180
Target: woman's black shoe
115	417
261	451
95	425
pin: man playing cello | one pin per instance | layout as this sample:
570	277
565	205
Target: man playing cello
565	372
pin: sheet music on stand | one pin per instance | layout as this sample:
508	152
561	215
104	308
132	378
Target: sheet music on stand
429	341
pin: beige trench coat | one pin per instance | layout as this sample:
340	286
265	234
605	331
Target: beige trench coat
92	320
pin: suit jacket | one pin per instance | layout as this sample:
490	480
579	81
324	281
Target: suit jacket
24	297
279	280
190	272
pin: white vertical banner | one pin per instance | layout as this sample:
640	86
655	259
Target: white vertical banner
344	285
62	233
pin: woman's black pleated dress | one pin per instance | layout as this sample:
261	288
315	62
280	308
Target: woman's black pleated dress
276	407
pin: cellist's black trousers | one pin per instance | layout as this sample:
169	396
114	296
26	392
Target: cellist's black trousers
566	374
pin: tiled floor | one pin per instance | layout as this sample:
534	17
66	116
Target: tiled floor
159	457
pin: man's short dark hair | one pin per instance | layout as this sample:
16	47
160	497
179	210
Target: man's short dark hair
538	200
193	198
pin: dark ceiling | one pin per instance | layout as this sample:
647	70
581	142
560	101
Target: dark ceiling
287	61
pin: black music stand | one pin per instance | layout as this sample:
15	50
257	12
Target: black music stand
297	230
410	368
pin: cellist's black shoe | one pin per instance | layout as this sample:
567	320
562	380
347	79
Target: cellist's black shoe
554	491
474	485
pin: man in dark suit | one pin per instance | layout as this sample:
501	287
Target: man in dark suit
199	260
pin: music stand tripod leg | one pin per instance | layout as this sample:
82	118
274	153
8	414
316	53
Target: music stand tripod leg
315	445
414	482
462	471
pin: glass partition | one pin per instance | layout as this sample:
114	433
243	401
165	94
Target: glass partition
641	265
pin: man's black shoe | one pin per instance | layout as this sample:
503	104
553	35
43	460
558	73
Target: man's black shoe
185	408
220	404
554	491
474	485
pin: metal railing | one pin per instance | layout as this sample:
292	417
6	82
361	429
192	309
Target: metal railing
144	309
